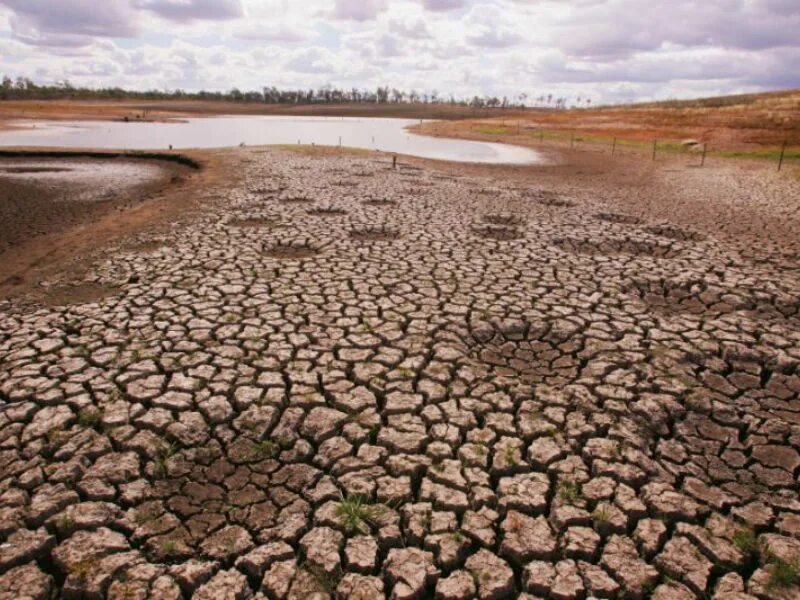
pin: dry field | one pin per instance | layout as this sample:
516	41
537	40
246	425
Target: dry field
736	126
326	378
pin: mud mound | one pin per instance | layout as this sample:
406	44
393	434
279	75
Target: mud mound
291	250
502	219
374	233
674	233
380	202
533	352
700	297
618	218
616	246
546	198
296	200
501	233
327	211
253	222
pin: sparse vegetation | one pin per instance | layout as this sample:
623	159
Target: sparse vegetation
746	541
356	514
602	514
90	417
784	574
266	449
569	492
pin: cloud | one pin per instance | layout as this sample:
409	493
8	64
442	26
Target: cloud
311	60
275	32
359	10
443	5
608	50
70	22
189	10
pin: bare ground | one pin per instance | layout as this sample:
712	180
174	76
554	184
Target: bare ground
578	380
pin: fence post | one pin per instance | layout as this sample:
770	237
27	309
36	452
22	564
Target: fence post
703	160
655	143
783	153
614	147
572	141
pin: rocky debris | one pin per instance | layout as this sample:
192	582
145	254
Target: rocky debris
542	397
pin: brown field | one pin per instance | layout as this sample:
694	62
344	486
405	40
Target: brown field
739	126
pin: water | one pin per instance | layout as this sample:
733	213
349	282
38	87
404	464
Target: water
386	135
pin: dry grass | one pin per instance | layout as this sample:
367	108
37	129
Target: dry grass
749	126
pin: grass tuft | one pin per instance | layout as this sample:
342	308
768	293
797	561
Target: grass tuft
356	514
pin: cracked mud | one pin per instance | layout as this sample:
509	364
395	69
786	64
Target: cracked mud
452	390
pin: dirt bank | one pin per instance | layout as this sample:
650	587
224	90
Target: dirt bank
59	212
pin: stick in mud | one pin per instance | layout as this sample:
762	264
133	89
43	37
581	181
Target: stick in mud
655	145
703	160
783	153
614	147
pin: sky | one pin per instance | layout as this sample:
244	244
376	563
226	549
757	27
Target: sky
607	51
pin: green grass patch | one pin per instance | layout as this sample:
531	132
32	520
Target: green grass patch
763	154
317	150
492	130
784	575
356	514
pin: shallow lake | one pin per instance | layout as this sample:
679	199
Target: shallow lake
386	135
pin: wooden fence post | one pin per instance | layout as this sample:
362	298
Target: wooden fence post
703	160
614	147
783	153
655	144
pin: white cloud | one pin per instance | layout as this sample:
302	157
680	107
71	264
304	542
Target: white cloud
605	49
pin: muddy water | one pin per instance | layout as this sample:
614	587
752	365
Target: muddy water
387	135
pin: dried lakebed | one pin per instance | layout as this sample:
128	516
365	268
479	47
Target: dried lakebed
344	381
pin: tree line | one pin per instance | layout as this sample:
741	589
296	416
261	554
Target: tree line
23	88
